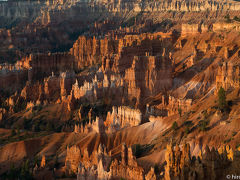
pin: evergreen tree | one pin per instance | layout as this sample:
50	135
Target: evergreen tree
25	172
179	111
13	132
174	125
222	103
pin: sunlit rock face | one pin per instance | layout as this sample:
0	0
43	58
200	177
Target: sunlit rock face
123	117
101	165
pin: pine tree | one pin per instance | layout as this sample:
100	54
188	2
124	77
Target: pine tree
174	125
222	103
179	111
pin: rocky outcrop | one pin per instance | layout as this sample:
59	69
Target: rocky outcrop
128	167
169	106
226	26
94	126
52	88
215	27
66	81
114	51
89	51
98	125
98	169
151	175
211	163
86	51
175	104
228	76
3	113
15	103
190	28
43	162
177	161
119	118
33	92
123	117
73	158
89	90
100	164
193	29
95	164
144	75
226	150
148	76
102	85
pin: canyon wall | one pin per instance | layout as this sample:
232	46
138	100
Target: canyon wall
33	9
187	29
174	5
